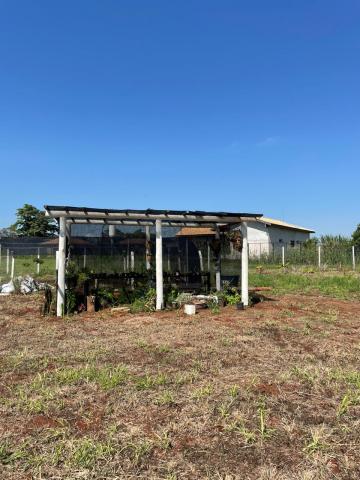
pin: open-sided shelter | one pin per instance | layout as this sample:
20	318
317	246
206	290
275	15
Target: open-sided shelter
147	218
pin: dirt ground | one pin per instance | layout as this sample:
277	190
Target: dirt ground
272	392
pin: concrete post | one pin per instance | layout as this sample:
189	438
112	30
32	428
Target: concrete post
38	263
12	267
159	267
244	266
218	263
60	305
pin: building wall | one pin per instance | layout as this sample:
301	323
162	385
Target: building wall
263	238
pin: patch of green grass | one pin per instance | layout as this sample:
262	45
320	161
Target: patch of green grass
165	398
336	285
202	392
146	382
86	452
107	377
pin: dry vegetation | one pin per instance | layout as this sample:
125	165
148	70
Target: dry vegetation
269	393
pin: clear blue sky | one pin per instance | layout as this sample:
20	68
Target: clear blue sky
220	105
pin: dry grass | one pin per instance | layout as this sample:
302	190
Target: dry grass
270	393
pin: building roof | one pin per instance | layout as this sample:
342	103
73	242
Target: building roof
201	231
146	217
281	224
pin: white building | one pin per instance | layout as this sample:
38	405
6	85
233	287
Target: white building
267	234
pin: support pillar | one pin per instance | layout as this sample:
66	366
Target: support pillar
159	267
244	266
218	262
60	305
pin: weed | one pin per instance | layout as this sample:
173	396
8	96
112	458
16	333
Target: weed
234	391
202	392
315	443
86	452
165	398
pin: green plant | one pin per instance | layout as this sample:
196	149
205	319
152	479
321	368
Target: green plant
146	303
315	443
70	301
105	298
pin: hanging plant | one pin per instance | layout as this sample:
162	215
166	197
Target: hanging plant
236	239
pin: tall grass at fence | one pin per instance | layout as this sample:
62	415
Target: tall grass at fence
346	285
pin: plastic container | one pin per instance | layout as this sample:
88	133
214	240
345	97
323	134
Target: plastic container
189	309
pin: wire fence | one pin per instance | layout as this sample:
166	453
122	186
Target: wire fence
183	255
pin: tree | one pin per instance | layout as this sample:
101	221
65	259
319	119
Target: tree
31	222
356	236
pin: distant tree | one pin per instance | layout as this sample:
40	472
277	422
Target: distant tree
31	222
7	232
356	236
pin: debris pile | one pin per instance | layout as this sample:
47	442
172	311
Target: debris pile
22	285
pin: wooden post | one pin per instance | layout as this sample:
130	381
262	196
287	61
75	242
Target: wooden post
12	267
244	266
159	267
132	261
124	259
38	263
353	257
7	261
187	255
84	264
283	255
147	248
319	255
60	305
218	263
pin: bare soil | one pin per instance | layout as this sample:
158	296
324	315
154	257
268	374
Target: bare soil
272	392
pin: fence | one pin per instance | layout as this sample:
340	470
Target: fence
313	255
185	255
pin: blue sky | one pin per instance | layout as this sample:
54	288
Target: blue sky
220	105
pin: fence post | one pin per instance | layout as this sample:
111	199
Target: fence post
12	267
283	255
38	263
85	255
319	255
132	261
353	257
7	261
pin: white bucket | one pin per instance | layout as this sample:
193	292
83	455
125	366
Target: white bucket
189	309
